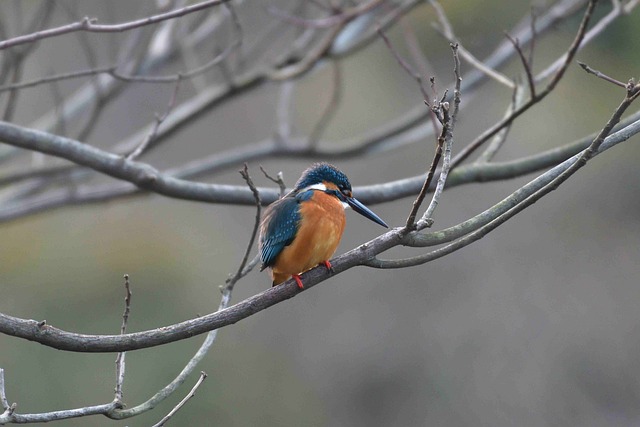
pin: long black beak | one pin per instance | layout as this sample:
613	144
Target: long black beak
364	211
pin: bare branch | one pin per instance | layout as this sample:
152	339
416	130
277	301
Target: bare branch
89	25
120	359
279	179
231	281
10	416
154	129
112	70
227	290
601	75
12	100
142	175
630	6
443	114
371	194
499	138
447	31
192	393
426	220
331	21
362	255
405	65
481	139
372	141
361	33
588	37
526	196
311	58
525	65
3	393
58	107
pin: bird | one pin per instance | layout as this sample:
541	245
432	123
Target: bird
303	228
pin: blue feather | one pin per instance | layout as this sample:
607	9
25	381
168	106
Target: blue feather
280	226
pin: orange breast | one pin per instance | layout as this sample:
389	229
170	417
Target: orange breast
321	228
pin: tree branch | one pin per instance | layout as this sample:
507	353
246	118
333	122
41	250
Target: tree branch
370	194
180	404
364	254
568	57
89	25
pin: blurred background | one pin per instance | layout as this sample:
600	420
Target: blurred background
536	324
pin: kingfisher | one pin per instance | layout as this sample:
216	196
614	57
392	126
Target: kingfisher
303	229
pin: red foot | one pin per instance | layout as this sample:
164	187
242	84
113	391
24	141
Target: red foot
298	281
328	265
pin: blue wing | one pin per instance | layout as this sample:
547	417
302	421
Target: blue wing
279	226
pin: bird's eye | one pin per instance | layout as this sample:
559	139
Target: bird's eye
346	192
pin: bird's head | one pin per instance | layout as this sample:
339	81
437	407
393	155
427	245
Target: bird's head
328	178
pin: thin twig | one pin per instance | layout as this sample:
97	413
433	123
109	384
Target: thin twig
447	130
112	70
525	65
231	281
630	6
120	359
192	393
14	60
517	98
159	119
89	24
12	99
598	28
3	393
312	57
350	43
370	142
443	116
441	112
227	289
601	75
520	200
92	61
336	19
244	268
58	108
568	58
446	29
361	255
57	338
413	46
279	179
188	54
406	66
127	304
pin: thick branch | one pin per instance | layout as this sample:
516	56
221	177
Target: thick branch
364	254
139	174
371	141
370	194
